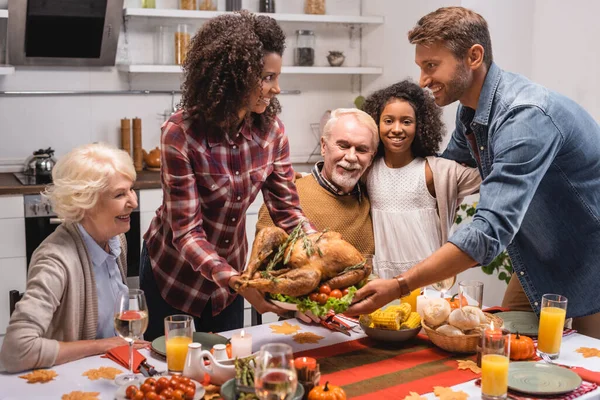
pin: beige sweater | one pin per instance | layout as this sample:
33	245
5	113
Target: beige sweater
59	304
343	214
452	182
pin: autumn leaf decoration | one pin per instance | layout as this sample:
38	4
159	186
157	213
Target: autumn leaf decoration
284	329
588	352
468	364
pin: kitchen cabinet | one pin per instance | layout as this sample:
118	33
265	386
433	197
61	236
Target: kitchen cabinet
13	260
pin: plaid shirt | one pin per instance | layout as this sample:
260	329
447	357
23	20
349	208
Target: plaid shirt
197	240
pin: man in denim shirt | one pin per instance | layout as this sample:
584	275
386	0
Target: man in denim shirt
539	155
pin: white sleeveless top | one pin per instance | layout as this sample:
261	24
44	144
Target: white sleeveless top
406	224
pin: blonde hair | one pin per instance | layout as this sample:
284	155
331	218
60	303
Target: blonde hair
362	117
82	175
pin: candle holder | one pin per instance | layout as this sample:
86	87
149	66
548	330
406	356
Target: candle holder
308	373
495	352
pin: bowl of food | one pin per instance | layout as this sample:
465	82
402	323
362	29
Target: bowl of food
395	323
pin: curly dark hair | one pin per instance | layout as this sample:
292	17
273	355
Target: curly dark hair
223	67
430	127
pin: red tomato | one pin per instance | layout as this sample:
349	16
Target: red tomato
322	298
181	386
145	388
174	382
325	289
161	384
190	391
185	380
151	396
313	296
168	393
139	395
337	293
150	381
131	391
345	291
161	397
178	395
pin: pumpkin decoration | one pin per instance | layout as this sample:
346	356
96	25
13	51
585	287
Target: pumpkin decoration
327	392
521	347
455	302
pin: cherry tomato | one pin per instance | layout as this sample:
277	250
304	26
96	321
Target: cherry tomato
151	396
337	293
161	384
313	296
150	381
139	395
167	393
161	397
190	392
325	289
178	395
145	388
345	292
185	380
181	386
131	391
322	298
174	382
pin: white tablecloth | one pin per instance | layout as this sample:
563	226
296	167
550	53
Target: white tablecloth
70	379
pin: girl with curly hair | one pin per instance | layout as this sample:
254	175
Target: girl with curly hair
218	152
413	193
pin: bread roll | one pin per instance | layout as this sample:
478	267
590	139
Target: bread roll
449	330
467	318
437	312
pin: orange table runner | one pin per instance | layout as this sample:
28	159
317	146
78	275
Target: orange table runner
368	369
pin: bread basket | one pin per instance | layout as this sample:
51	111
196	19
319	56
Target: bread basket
459	344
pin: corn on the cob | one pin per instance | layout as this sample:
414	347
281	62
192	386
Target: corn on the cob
386	320
403	310
413	321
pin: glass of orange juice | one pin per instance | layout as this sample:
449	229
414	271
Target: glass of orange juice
552	323
411	299
179	330
495	353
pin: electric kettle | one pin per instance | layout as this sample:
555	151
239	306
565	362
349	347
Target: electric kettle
40	165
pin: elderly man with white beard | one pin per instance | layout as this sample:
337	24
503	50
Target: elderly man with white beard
332	196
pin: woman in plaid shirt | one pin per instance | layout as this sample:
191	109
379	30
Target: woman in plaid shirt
217	153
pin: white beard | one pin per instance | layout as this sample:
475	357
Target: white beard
346	179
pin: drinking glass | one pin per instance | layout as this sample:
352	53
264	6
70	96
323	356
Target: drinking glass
275	375
412	299
470	293
444	285
179	331
495	353
131	321
552	322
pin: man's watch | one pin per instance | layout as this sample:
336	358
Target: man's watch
404	289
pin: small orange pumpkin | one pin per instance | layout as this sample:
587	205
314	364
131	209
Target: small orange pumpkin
521	347
327	392
455	302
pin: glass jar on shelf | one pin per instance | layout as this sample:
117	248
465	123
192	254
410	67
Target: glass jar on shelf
182	42
187	4
207	5
148	3
304	53
314	6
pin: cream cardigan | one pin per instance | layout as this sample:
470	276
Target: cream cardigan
59	304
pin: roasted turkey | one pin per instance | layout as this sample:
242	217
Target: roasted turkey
297	264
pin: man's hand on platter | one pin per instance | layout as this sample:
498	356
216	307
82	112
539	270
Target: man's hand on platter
256	298
373	296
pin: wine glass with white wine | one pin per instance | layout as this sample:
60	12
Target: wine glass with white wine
444	285
275	374
131	321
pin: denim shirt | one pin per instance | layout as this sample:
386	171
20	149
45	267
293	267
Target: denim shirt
109	282
540	195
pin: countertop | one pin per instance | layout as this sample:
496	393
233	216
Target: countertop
11	185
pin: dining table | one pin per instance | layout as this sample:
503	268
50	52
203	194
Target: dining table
365	368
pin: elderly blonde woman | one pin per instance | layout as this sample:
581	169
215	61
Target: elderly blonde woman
77	273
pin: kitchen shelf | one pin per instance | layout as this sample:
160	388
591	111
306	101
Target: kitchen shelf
7	70
188	14
3	14
176	69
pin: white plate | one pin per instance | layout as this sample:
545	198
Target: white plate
284	305
120	394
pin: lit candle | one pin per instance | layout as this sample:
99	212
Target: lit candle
422	303
494	363
305	362
241	345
